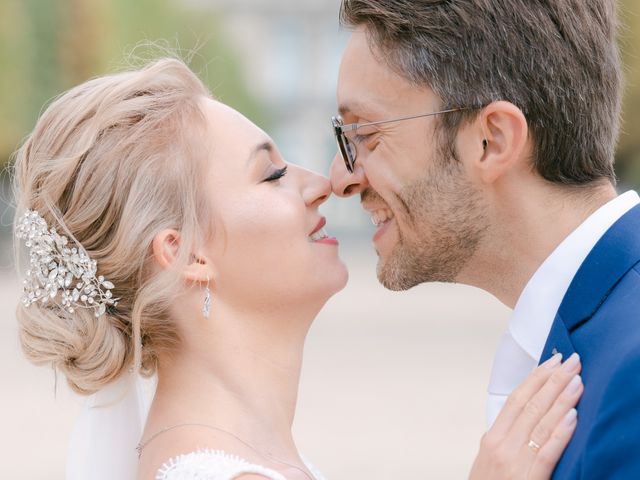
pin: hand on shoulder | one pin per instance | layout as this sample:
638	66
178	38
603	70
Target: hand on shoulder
528	437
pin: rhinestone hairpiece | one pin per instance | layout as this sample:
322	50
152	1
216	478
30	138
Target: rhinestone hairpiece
58	269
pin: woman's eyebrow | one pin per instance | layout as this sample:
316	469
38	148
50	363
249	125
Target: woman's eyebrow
264	146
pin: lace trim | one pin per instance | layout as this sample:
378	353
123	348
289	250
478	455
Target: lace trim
203	463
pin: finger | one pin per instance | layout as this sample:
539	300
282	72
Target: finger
548	456
538	406
565	402
521	395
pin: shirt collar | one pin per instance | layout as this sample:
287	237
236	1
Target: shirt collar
541	298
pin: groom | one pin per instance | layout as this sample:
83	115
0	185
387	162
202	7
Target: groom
484	151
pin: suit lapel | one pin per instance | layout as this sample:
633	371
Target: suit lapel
613	256
558	341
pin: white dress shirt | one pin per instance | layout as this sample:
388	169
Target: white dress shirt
522	345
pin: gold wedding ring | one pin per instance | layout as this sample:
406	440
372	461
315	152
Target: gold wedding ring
533	446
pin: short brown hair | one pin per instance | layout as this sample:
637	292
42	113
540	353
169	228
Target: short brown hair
556	60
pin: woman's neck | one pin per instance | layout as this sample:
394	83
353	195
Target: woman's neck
238	372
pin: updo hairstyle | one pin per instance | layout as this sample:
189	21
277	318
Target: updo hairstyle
109	164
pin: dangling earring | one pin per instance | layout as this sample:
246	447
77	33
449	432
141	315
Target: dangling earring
206	308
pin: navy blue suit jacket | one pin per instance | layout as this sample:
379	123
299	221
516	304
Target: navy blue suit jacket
600	319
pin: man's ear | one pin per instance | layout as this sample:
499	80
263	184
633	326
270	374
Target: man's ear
504	131
165	249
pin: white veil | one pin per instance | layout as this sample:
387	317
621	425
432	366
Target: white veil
103	442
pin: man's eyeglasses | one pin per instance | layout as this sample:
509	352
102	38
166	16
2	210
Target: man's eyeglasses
348	149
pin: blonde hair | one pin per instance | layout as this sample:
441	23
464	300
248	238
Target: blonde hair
111	163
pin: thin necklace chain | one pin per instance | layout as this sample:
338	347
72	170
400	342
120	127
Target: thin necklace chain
144	443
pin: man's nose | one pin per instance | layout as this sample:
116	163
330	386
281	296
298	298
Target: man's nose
343	183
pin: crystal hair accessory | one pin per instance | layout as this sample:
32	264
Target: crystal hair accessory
57	269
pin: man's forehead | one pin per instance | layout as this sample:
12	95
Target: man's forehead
367	105
366	84
363	89
376	96
360	66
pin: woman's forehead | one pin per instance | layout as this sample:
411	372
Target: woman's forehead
230	131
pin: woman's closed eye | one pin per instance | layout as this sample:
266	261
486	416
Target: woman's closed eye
277	175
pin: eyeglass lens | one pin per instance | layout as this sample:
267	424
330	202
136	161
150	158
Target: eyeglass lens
347	149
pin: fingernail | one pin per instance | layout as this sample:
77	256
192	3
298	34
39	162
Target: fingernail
554	361
570	417
573	385
572	363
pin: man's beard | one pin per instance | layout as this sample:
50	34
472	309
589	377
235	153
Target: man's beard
446	223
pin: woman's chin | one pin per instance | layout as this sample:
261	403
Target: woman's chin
339	280
332	283
344	279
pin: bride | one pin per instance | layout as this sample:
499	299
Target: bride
167	236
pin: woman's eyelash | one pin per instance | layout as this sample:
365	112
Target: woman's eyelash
281	172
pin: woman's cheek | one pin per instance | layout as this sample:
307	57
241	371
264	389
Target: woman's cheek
272	230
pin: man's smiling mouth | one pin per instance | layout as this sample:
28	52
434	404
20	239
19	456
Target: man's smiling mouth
381	216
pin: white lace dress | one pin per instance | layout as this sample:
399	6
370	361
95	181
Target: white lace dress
217	465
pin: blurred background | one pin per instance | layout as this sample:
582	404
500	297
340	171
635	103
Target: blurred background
393	383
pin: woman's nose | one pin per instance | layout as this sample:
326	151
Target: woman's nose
343	183
317	189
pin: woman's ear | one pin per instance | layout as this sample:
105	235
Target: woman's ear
505	137
165	250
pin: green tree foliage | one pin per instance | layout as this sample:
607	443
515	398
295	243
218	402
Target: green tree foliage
47	46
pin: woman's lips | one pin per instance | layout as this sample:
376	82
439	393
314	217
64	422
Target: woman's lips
319	235
321	224
328	241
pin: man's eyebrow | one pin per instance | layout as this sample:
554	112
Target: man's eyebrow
264	146
344	109
357	109
347	108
